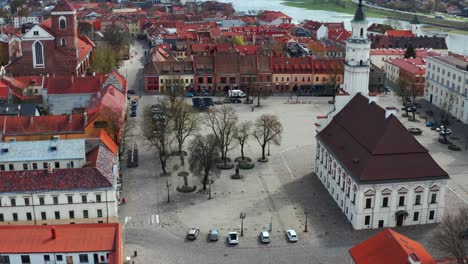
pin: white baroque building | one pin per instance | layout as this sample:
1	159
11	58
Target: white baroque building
376	171
62	196
447	85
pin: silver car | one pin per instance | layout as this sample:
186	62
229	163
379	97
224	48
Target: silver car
213	235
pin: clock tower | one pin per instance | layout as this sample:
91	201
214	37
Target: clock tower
357	61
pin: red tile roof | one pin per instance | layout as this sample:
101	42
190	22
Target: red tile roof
270	16
63	6
48	124
100	175
374	148
413	66
399	33
73	85
4	90
389	246
108	142
68	238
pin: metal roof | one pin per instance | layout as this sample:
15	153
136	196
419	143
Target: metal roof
19	151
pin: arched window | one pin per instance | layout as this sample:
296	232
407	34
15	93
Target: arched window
62	22
63	42
362	32
38	52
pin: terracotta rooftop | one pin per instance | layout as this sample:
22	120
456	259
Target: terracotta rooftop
63	239
100	175
374	148
389	246
48	124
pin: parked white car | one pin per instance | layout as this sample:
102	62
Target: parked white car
233	238
292	236
265	237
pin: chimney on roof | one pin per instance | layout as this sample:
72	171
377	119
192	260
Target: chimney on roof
31	120
49	168
413	259
373	98
54	232
70	118
53	75
85	114
94	73
72	78
390	111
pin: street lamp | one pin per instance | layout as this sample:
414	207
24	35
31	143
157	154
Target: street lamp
242	216
305	226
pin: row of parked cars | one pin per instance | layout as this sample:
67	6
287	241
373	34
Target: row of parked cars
233	237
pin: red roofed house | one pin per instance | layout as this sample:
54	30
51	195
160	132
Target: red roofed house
409	71
82	243
273	18
54	46
388	246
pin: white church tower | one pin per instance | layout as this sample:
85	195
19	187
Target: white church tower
357	61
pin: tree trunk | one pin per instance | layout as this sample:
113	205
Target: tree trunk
225	156
263	151
163	165
242	151
414	117
258	99
205	179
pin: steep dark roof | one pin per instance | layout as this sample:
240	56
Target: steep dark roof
359	15
63	6
415	20
375	148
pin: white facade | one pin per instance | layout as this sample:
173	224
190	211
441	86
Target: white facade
447	85
357	61
322	32
392	72
59	207
58	258
375	205
19	21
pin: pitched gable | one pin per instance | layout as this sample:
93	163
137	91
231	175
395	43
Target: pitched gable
37	33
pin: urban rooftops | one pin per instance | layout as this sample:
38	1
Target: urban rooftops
42	150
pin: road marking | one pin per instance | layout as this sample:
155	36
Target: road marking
128	219
287	166
157	219
457	194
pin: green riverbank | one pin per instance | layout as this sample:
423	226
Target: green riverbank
341	6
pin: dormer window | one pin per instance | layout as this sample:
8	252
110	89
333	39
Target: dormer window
62	22
36	33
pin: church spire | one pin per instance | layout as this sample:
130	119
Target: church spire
359	16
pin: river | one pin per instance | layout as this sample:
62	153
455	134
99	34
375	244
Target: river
456	42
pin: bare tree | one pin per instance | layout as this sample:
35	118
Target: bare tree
259	91
114	124
242	135
267	128
450	232
446	107
185	122
203	152
222	122
158	131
